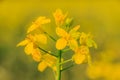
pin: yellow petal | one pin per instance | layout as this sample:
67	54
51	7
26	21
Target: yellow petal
78	58
36	55
23	43
31	38
42	66
61	32
42	20
75	35
29	48
41	38
73	44
38	23
61	43
32	27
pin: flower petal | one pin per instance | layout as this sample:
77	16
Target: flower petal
41	20
29	48
32	27
42	66
41	38
78	58
73	44
23	43
61	43
61	32
36	55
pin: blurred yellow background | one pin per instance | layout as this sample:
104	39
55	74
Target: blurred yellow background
101	18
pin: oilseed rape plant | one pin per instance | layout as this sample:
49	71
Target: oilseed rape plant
69	39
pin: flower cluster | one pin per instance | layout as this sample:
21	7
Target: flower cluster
76	41
32	42
69	38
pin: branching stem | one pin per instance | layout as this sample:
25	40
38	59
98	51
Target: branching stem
46	51
50	36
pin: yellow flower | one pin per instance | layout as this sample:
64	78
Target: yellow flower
79	58
28	43
87	40
80	54
31	41
47	61
37	24
59	17
66	38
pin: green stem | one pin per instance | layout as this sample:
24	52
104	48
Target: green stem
46	51
65	61
50	36
65	50
67	67
59	66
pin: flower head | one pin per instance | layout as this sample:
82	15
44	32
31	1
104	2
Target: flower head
67	38
80	54
59	17
30	44
86	39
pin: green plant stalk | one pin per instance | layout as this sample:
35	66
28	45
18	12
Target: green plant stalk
65	50
65	61
67	67
50	36
46	51
59	66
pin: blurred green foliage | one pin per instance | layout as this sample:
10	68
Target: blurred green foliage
101	18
